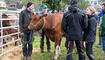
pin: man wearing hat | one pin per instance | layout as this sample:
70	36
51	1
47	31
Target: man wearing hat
43	33
73	24
27	35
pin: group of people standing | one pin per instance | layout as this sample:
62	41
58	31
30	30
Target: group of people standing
80	27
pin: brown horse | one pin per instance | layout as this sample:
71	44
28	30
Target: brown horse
52	26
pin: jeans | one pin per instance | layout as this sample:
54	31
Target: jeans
103	43
89	50
42	41
27	40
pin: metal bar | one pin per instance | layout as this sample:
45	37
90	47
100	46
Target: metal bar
9	35
1	33
10	19
9	27
10	42
11	12
16	26
10	50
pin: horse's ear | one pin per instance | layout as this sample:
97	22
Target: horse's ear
43	15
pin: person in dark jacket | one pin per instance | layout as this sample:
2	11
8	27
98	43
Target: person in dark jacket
103	27
27	35
90	32
73	24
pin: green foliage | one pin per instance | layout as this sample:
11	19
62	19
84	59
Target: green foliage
35	2
53	4
56	4
61	4
8	1
82	4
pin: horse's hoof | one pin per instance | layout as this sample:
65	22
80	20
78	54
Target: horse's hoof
55	58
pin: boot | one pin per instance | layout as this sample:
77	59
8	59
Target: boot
42	50
29	58
48	50
25	58
91	57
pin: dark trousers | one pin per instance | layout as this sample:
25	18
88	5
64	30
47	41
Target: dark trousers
100	37
103	43
42	41
89	50
27	44
69	46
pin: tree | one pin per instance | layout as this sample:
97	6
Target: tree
37	3
83	4
8	1
53	4
56	4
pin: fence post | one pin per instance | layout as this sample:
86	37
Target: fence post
1	32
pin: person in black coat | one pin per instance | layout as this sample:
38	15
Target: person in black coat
26	34
90	32
73	24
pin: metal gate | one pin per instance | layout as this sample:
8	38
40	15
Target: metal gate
13	26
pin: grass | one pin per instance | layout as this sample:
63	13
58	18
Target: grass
98	52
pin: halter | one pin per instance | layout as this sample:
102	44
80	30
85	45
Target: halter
33	25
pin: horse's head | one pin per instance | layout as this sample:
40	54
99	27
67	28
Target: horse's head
37	22
5	22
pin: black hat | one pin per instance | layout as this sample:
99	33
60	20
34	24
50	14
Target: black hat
72	2
29	4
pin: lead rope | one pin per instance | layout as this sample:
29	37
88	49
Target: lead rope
81	44
68	45
43	23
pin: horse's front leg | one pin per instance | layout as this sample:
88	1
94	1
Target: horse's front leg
56	52
57	49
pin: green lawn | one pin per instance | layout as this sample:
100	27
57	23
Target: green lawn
98	52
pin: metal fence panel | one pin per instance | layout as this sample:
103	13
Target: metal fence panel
4	36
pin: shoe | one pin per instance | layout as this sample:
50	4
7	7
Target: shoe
48	50
25	58
28	57
42	51
99	46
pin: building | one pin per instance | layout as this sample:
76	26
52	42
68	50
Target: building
2	4
15	5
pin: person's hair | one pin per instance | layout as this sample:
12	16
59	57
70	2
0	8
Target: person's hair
103	4
92	9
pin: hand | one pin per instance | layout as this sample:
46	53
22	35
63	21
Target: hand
21	34
98	27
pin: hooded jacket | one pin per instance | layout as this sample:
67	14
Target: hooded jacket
73	23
